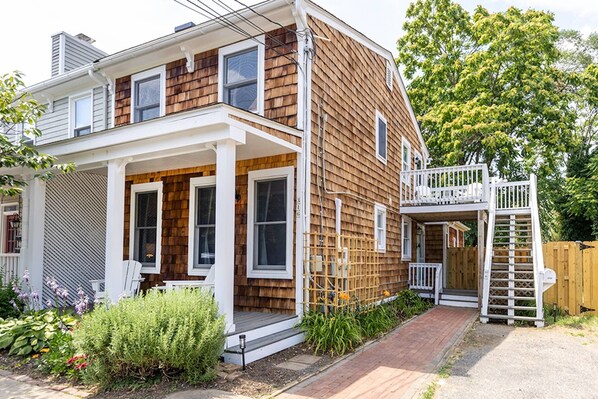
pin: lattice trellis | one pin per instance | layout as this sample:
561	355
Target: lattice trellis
341	272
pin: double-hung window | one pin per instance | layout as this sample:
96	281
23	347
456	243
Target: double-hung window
146	225
406	160
406	232
381	136
241	71
270	223
202	225
380	227
148	94
81	114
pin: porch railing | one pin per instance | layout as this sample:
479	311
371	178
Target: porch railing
449	185
426	277
513	195
9	266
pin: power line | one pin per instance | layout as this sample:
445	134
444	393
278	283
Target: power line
267	19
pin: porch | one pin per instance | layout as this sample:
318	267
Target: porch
149	192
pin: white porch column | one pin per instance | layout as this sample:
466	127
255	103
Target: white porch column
32	244
224	280
115	219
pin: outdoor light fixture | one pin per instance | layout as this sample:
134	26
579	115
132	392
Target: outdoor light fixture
242	342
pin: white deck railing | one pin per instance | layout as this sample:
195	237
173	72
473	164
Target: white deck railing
426	276
9	266
513	195
449	185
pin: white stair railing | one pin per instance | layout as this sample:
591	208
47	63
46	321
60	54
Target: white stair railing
488	255
537	255
426	276
513	195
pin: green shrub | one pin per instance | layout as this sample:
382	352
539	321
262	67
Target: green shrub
32	332
377	321
333	333
10	304
167	332
408	304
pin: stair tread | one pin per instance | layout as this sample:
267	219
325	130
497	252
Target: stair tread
507	317
512	280
266	340
512	307
512	288
516	298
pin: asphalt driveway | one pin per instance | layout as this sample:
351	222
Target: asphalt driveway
496	361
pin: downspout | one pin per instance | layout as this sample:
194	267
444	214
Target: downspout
304	162
105	88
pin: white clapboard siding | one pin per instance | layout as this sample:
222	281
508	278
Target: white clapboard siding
75	229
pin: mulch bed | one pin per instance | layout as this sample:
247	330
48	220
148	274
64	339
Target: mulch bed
260	379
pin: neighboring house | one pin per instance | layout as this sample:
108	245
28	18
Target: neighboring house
205	147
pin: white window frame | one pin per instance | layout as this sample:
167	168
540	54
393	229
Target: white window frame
389	75
405	144
143	188
267	174
380	241
406	251
195	182
72	99
160	70
261	55
381	117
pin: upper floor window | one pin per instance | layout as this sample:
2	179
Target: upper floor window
148	95
381	136
406	159
241	71
81	111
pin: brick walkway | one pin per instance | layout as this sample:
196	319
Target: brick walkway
391	367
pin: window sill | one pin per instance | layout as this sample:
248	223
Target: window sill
404	259
382	159
150	270
270	274
198	272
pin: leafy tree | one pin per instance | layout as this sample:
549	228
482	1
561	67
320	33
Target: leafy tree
486	87
18	109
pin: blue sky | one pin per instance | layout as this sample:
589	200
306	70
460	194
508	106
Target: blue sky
119	24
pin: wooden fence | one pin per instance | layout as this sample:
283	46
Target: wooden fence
577	276
462	268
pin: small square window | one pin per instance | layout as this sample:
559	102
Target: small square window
380	227
148	95
381	137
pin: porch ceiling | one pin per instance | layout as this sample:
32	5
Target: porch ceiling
441	216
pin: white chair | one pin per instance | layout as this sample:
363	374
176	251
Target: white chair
131	281
423	194
474	192
207	283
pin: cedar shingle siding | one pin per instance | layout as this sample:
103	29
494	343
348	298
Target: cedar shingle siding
348	80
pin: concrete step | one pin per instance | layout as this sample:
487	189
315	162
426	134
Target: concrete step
265	346
462	298
458	304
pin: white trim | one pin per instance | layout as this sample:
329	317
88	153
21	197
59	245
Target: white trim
204	181
406	256
380	117
388	75
161	71
261	56
61	53
71	111
4	213
422	228
143	188
405	144
380	244
266	174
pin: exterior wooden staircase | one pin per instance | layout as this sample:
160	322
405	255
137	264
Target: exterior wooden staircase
514	274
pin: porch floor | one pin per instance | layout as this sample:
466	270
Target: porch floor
246	321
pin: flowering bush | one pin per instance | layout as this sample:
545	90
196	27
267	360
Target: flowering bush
59	357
